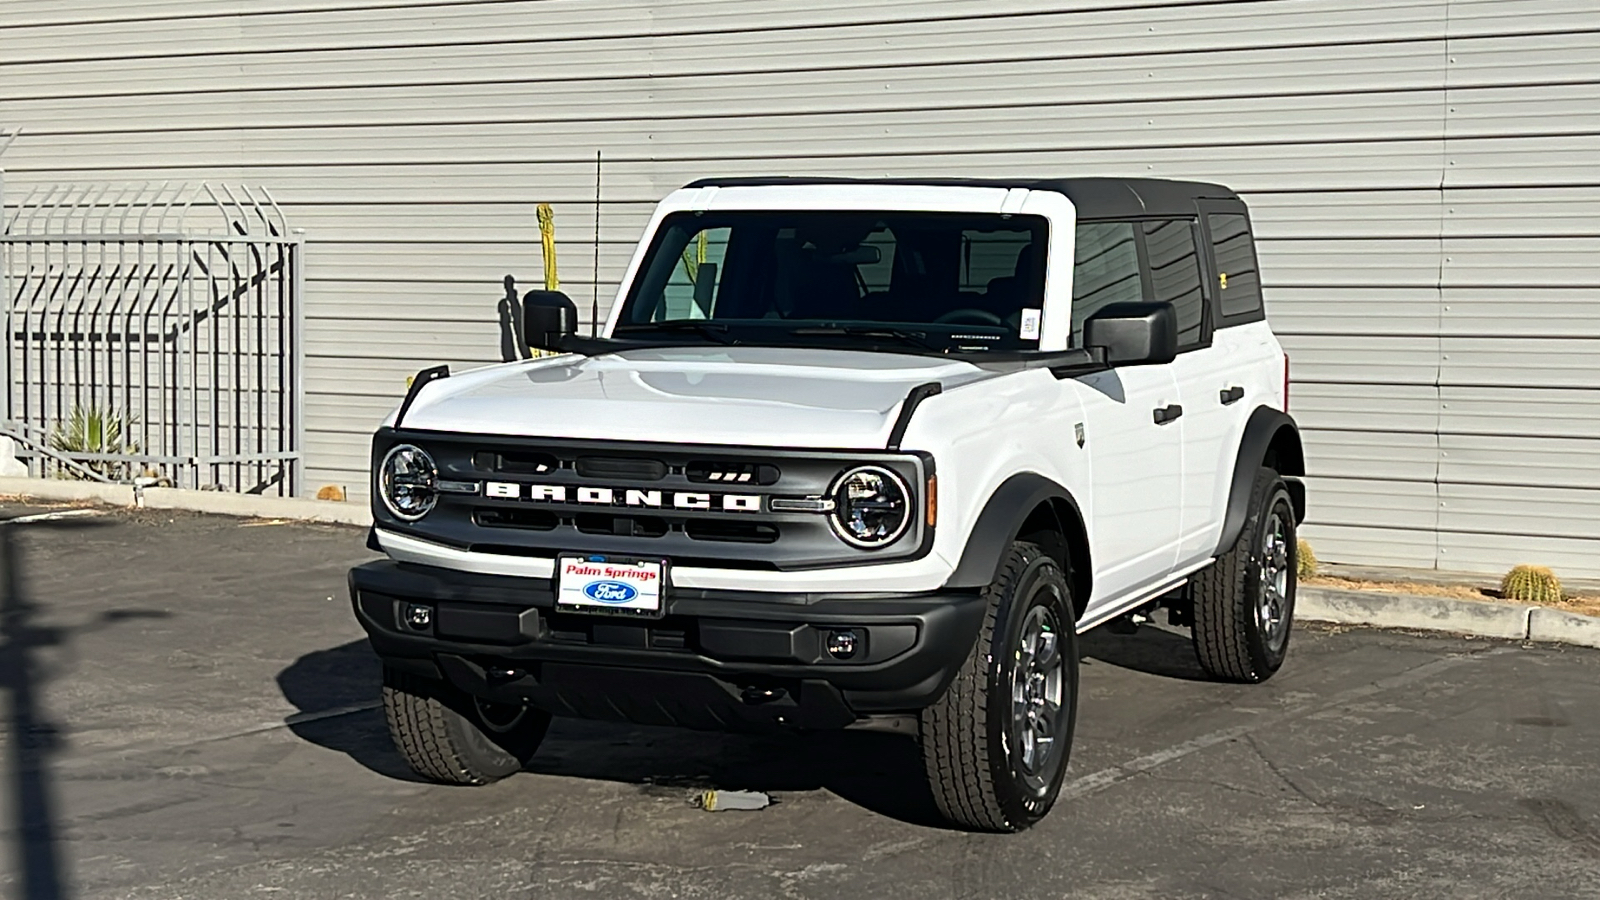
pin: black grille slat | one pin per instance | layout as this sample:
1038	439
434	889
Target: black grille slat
622	468
626	526
731	532
517	463
734	472
505	517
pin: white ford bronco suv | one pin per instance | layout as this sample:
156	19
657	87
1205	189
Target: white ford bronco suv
847	453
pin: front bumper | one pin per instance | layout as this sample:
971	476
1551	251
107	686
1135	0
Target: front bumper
722	660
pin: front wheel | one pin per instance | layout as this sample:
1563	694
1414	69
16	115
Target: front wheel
449	736
995	745
1244	603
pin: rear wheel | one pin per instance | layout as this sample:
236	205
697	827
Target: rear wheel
1244	603
449	736
995	746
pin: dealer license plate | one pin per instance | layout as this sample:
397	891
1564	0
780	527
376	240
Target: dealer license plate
610	584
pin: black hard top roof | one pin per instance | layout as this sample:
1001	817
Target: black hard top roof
1094	197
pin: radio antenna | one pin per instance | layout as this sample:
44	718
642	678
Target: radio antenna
594	305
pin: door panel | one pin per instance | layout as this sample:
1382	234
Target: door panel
1136	474
1218	386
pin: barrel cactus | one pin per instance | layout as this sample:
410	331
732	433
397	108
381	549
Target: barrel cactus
1305	560
1531	584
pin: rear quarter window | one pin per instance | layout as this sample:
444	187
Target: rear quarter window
1238	277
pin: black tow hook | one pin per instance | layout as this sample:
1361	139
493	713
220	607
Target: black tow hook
496	676
756	696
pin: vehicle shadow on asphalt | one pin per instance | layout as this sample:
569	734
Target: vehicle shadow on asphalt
880	772
876	771
347	677
32	738
1154	651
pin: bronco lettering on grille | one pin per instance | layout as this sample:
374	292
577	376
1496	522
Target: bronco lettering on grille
625	497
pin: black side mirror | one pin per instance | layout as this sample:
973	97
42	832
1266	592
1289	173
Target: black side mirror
548	319
1134	334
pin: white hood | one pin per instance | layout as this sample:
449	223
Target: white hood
763	396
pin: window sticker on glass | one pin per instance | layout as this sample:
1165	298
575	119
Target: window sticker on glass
1029	329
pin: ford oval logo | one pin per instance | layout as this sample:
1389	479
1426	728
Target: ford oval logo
609	592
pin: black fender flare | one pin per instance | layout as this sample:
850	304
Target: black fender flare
1002	520
1270	435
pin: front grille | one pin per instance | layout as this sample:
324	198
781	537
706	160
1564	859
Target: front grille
690	504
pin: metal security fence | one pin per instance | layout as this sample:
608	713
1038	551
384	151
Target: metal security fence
153	335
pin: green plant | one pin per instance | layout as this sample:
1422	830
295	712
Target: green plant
1305	561
94	430
1531	584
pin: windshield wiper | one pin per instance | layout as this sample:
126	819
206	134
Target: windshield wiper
915	338
716	331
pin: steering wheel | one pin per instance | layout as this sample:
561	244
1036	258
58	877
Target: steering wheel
969	316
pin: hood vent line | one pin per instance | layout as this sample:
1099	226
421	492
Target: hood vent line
913	399
418	382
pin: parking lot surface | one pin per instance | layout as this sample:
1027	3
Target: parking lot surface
190	712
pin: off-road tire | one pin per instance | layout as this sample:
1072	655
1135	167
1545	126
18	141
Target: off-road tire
443	735
1228	637
966	735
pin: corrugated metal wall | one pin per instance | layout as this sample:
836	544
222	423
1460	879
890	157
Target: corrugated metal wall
1423	174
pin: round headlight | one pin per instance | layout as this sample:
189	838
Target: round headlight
408	482
871	506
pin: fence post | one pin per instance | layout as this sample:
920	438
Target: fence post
297	252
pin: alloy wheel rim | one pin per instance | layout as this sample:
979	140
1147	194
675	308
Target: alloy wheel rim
1272	600
1037	684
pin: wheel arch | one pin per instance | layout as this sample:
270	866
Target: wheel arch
1028	506
1272	439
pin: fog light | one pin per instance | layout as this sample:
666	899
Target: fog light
419	617
842	644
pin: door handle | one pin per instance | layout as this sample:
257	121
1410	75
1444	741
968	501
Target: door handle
1232	395
1166	414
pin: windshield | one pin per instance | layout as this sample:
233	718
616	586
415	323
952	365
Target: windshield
942	282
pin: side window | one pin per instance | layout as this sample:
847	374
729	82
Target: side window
1238	280
1105	270
691	289
1175	274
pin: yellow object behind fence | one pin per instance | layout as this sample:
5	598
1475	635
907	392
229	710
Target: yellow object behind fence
693	257
547	238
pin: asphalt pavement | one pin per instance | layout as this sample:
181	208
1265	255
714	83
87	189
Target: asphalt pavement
190	712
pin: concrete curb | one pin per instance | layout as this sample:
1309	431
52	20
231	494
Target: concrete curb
50	489
1563	627
1486	618
227	504
219	502
1385	610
